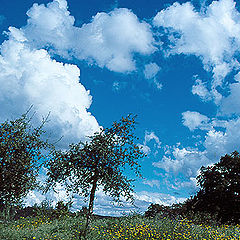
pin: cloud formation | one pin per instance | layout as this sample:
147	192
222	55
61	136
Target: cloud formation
219	138
149	137
30	77
200	89
231	104
152	183
186	161
213	36
150	72
194	120
110	40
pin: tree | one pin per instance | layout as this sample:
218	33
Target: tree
20	150
220	189
174	211
100	162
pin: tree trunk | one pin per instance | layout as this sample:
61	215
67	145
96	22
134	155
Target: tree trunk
90	206
92	196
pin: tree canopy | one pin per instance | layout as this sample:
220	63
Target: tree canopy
21	147
101	161
220	189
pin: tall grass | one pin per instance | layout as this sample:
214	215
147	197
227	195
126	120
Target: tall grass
129	227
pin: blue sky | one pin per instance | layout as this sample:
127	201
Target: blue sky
174	64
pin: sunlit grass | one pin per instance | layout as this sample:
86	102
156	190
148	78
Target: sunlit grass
131	227
40	228
140	228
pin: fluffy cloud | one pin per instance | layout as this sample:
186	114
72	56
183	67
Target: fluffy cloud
149	136
227	140
182	160
194	120
222	137
214	35
109	40
151	70
30	77
152	183
201	90
153	197
145	149
231	104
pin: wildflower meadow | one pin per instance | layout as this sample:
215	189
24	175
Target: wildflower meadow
132	227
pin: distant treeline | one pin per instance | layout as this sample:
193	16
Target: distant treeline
218	199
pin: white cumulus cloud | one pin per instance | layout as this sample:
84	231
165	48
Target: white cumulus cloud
182	160
31	77
150	136
213	35
194	120
226	140
201	90
109	40
222	137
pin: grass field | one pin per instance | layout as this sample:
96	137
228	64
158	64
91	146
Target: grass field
130	227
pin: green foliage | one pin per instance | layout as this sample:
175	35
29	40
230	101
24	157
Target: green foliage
202	218
181	211
101	161
220	190
153	210
20	149
44	209
62	209
156	210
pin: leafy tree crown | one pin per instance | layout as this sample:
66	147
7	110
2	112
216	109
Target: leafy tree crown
21	148
102	159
